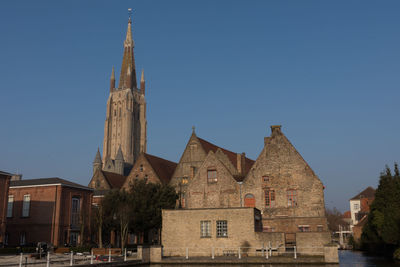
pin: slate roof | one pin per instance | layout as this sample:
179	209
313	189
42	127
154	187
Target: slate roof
6	173
207	146
369	192
46	181
114	179
163	168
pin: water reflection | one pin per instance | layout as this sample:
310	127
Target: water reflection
347	259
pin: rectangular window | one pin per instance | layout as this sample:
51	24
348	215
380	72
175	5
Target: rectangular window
265	179
75	211
212	176
269	198
304	228
22	239
205	229
222	228
10	206
356	206
26	205
292	198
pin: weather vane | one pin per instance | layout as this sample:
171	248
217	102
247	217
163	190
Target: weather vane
130	12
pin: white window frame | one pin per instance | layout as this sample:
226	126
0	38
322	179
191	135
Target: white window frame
205	229
10	206
222	228
26	205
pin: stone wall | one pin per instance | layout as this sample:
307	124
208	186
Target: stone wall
312	242
223	193
181	230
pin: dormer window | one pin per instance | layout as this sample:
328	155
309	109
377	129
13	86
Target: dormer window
141	167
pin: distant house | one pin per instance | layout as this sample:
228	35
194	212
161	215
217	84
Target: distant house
4	184
51	210
359	205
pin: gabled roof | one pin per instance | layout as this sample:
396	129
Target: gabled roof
6	173
207	146
369	192
162	167
115	180
346	215
46	181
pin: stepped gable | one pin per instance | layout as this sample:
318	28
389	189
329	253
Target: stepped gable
162	167
369	192
207	146
114	180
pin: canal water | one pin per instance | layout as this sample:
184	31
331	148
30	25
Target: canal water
347	258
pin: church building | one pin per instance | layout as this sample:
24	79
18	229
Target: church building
125	125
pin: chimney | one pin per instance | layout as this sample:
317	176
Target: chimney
240	163
275	128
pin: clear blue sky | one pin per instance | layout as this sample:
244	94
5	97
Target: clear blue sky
327	71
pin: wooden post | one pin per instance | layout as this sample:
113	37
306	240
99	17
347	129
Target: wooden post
239	254
91	257
20	260
109	255
71	261
48	260
125	254
295	253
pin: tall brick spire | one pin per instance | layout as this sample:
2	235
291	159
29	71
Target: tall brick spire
128	62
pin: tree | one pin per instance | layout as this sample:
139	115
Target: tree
98	221
334	218
118	204
382	230
148	200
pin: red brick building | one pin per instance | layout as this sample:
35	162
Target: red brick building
50	210
4	184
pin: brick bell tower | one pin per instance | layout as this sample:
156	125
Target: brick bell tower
125	134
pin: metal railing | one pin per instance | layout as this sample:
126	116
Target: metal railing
66	259
240	252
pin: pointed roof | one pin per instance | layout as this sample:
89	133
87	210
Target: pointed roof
369	192
115	180
128	61
142	77
207	146
97	158
119	156
162	167
112	74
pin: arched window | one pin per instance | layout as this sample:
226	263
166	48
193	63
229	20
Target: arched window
249	200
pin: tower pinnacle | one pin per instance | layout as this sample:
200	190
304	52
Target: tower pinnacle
128	60
142	83
112	80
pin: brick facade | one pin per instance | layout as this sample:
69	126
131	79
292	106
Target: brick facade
280	183
4	185
49	215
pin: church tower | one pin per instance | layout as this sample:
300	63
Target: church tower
125	125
